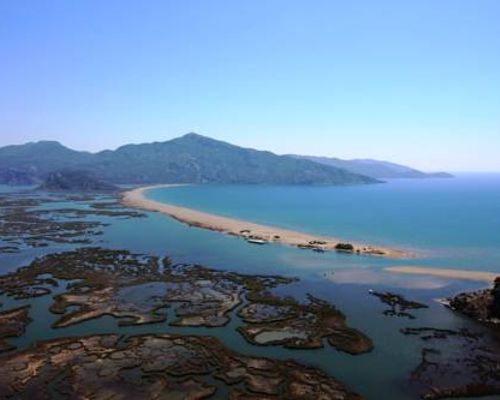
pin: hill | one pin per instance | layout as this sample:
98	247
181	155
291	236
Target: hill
374	168
39	158
191	158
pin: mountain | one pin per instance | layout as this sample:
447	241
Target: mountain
191	158
374	168
76	181
39	158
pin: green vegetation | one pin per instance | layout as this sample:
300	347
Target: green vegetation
191	158
69	180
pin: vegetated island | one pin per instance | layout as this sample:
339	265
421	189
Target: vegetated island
480	276
252	232
153	366
136	289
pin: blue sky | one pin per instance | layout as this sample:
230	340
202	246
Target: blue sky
416	82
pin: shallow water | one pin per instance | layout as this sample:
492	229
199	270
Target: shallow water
270	336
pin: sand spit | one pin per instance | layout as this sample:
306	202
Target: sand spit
250	231
446	273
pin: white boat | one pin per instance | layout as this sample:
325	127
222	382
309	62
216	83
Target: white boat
445	302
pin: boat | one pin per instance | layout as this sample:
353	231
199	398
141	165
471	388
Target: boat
256	241
445	302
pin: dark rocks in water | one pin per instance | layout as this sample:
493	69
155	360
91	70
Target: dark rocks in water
75	181
482	305
9	249
399	306
344	247
456	363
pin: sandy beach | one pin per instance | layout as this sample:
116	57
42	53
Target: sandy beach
250	231
446	273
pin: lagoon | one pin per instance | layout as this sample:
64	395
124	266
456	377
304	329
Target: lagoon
372	214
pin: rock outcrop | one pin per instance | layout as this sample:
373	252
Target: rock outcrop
482	305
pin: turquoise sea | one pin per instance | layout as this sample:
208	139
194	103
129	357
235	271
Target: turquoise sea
451	223
457	219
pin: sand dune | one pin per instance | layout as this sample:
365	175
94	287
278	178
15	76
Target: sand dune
446	273
248	230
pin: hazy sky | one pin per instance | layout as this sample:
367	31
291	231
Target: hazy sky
416	82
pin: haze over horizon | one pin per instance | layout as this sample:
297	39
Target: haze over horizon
412	83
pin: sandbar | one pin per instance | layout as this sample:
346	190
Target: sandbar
481	276
248	230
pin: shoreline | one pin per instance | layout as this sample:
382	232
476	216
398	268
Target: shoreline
469	275
248	230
